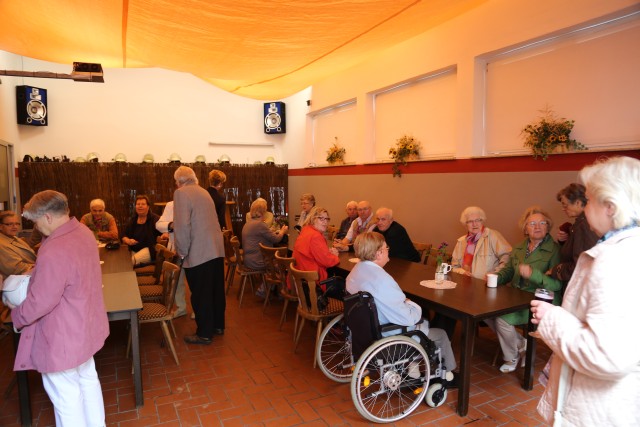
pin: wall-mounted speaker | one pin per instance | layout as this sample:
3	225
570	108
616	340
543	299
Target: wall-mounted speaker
274	117
31	106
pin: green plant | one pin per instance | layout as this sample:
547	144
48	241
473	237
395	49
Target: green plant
405	147
549	132
335	153
441	253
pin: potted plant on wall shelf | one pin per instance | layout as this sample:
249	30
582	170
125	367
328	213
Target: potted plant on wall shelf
335	154
548	134
406	148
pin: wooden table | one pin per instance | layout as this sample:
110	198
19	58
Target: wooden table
122	302
470	302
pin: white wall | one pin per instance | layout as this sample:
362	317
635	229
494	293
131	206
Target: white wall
139	111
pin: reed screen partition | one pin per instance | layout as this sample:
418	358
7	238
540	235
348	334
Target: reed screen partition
118	184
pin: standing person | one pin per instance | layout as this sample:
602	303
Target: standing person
594	375
198	240
577	237
141	234
396	236
165	226
216	183
100	222
63	319
345	225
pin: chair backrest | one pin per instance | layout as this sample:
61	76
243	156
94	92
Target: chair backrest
269	257
170	276
433	258
162	241
424	249
160	257
361	317
282	264
228	247
305	280
235	244
332	230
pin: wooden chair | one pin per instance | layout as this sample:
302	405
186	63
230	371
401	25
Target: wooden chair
424	249
288	295
150	287
332	230
148	270
433	257
229	258
162	311
308	308
270	276
246	274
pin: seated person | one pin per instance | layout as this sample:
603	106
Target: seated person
267	217
141	233
482	250
100	222
307	202
311	251
254	232
345	225
364	222
16	256
393	306
398	241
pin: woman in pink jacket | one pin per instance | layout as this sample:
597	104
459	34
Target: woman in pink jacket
594	377
63	321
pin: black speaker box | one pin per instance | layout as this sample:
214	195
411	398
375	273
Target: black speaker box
31	106
274	117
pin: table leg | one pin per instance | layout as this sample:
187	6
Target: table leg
465	366
529	359
135	352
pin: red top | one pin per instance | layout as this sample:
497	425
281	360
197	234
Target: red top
311	252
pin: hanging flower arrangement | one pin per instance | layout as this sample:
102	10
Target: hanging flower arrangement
406	148
548	134
335	154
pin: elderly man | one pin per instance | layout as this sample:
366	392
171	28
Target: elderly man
63	318
16	256
345	225
100	222
363	223
198	240
397	238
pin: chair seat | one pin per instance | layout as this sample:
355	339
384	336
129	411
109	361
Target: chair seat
146	280
152	311
147	270
154	291
334	308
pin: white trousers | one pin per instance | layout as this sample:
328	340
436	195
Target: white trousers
510	339
76	396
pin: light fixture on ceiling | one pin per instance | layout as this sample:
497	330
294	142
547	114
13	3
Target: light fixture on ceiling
82	72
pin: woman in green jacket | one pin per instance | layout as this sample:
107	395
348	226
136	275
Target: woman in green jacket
526	270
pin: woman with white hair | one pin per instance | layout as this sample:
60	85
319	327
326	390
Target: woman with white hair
594	374
256	231
482	250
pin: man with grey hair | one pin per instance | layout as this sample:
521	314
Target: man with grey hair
198	241
365	221
102	223
397	238
352	214
63	318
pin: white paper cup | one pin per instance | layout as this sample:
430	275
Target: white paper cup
492	280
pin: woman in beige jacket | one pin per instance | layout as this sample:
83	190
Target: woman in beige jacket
594	378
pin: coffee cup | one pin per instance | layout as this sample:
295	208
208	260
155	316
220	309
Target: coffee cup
492	280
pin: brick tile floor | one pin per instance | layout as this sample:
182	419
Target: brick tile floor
251	377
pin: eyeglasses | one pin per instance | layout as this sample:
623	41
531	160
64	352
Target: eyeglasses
541	223
10	224
324	218
474	221
362	209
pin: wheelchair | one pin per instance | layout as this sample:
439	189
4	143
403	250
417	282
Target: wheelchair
390	375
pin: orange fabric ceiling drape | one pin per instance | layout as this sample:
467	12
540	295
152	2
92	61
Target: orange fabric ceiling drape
255	48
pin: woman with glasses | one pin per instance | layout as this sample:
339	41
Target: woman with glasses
16	256
480	251
311	251
526	268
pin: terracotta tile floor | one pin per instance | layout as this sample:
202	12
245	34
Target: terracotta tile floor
251	377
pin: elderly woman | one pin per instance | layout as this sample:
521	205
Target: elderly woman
573	238
594	375
267	217
526	268
141	233
16	256
480	251
307	202
216	183
63	318
100	222
311	251
254	232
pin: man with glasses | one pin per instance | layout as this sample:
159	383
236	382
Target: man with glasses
17	257
363	223
397	238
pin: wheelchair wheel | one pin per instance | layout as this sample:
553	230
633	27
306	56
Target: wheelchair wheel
390	379
436	395
333	352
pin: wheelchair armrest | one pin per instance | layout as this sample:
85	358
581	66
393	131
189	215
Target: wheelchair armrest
388	327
